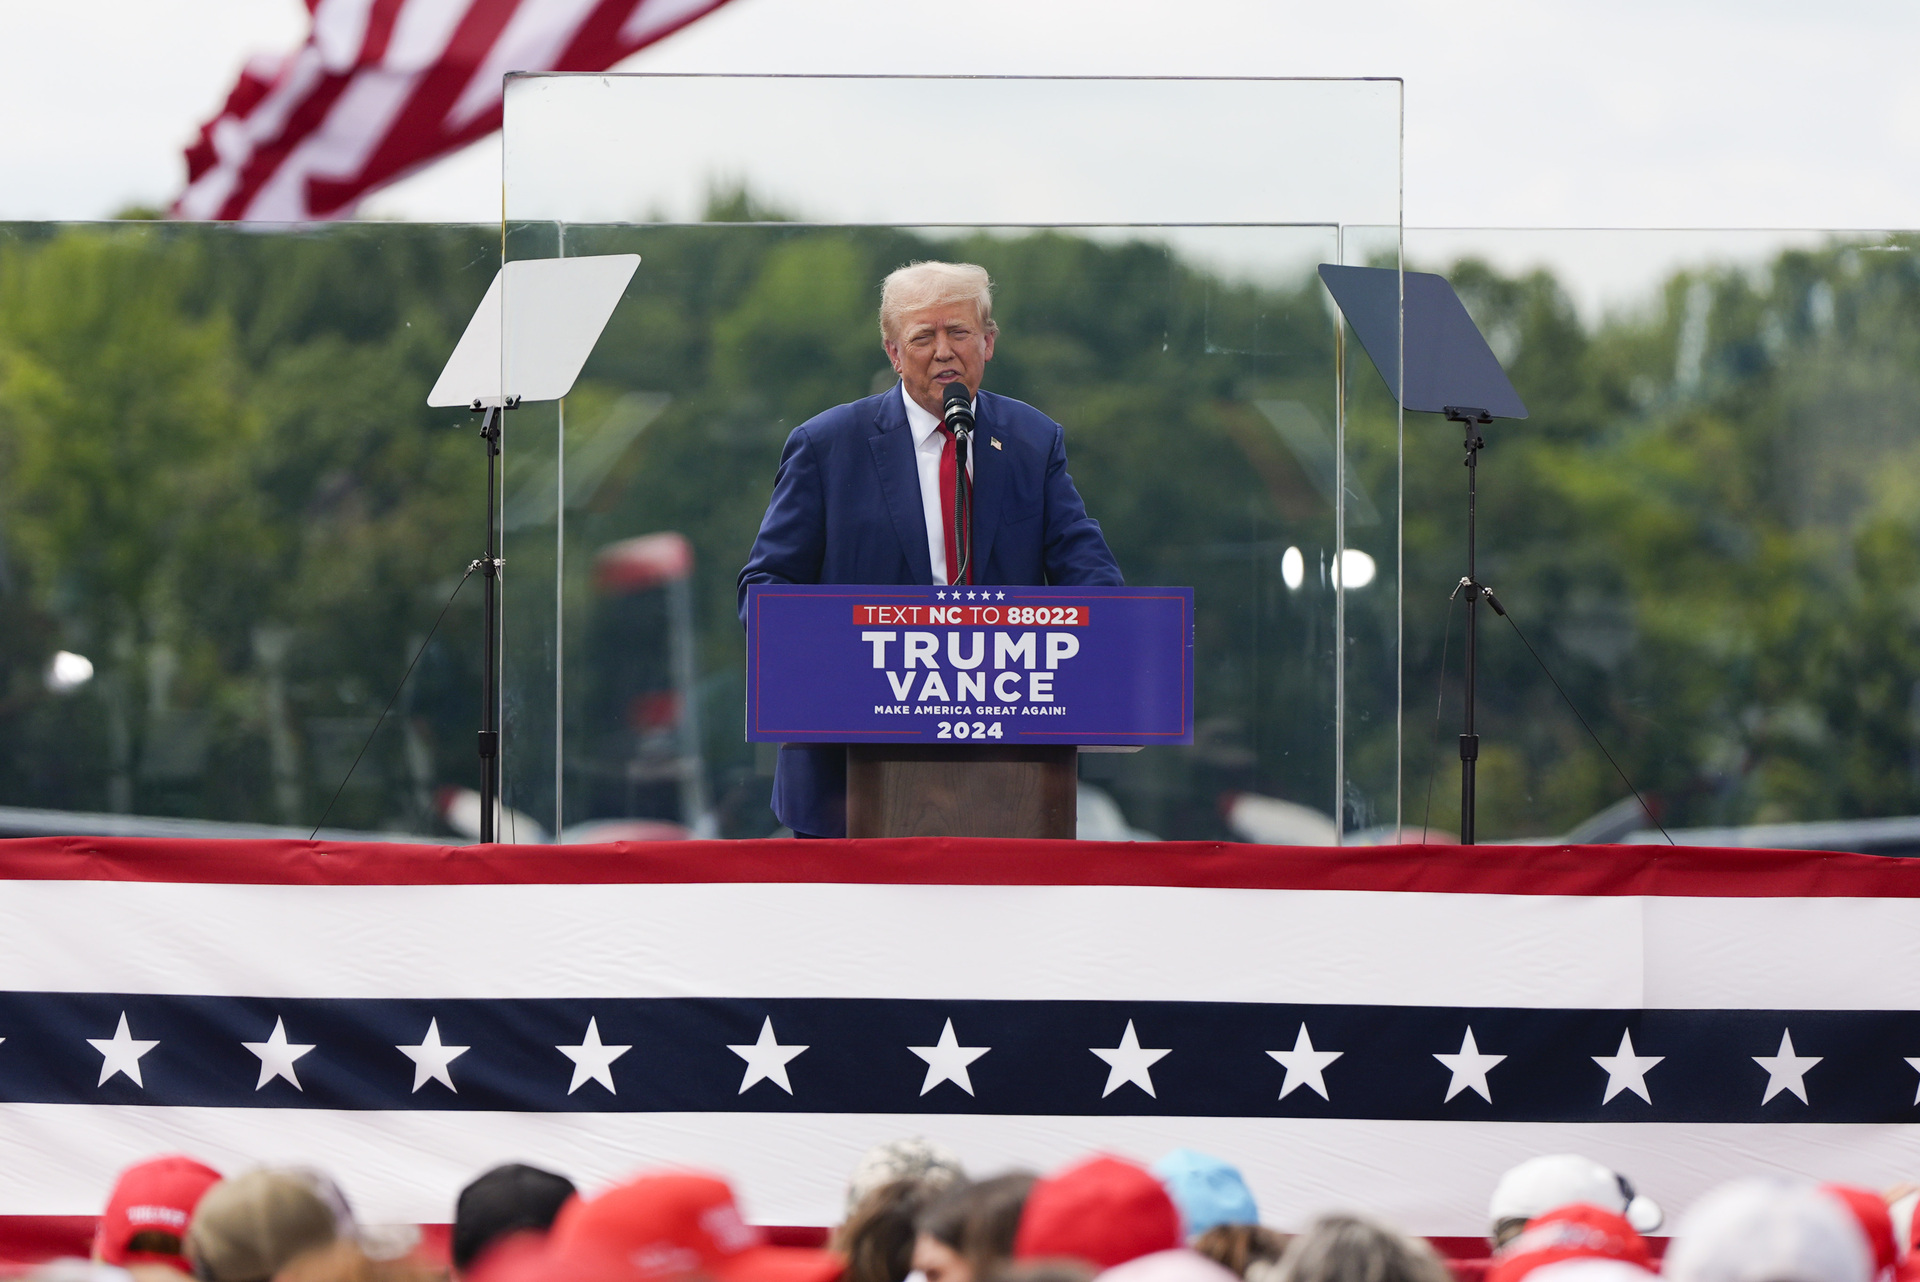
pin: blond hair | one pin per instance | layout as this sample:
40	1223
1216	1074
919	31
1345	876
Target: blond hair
932	284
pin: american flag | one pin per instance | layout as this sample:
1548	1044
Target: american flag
1386	1029
383	87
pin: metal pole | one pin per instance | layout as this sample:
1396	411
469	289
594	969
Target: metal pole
1470	741
693	772
490	662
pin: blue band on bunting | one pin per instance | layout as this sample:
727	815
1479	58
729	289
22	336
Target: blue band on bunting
1086	1058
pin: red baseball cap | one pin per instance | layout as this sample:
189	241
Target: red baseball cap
1576	1232
1106	1211
156	1196
675	1225
527	1256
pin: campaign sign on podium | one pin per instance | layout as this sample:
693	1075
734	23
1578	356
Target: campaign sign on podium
834	663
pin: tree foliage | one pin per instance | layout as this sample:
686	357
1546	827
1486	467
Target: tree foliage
219	481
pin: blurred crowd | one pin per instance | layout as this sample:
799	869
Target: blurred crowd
912	1212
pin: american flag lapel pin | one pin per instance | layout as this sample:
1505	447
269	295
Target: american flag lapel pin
994	441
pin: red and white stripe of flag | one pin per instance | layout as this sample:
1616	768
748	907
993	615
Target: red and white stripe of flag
384	87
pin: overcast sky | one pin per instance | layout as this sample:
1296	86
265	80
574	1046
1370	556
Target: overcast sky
1628	113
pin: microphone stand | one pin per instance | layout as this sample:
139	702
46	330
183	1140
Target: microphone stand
957	414
490	566
1472	420
962	504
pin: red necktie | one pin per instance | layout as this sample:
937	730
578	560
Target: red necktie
949	479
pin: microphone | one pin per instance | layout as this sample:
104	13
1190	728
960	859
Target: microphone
957	411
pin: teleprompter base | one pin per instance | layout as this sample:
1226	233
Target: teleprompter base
941	790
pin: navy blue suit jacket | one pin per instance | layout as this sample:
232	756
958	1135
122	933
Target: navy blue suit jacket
846	509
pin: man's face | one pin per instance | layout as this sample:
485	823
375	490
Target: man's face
937	345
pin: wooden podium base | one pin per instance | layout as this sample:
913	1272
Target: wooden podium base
961	790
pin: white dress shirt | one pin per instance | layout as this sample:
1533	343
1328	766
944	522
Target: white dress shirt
927	444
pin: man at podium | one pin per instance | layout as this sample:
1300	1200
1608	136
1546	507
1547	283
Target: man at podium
866	493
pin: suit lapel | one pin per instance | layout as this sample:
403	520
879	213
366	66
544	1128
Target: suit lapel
989	485
892	446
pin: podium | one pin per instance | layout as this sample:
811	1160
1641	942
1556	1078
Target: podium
935	790
964	710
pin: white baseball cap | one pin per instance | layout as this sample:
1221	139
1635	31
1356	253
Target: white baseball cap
1768	1230
1540	1184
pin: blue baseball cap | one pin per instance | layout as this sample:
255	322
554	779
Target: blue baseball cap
1207	1190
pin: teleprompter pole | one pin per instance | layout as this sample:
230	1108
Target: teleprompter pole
490	566
1472	420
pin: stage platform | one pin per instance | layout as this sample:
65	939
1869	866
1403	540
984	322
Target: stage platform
1380	1027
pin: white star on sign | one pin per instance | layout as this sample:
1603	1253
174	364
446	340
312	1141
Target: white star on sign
1627	1071
120	1054
947	1061
999	596
1786	1071
1469	1068
1129	1062
1305	1066
1914	1064
592	1059
767	1059
277	1056
430	1058
939	596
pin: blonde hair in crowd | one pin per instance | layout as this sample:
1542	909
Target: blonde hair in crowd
931	284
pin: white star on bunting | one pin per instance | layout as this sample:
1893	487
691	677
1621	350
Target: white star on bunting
120	1054
277	1055
1627	1071
1305	1066
1914	1064
1129	1062
1469	1068
1786	1071
767	1059
430	1058
592	1059
947	1061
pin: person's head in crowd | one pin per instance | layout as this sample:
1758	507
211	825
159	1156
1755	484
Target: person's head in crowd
508	1199
144	1226
1540	1184
1250	1251
1592	1270
967	1234
1207	1191
1768	1230
672	1225
74	1269
877	1237
1105	1210
915	1158
1577	1232
1351	1248
1045	1271
1178	1265
251	1227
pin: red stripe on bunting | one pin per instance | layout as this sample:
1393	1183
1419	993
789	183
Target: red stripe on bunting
1685	871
